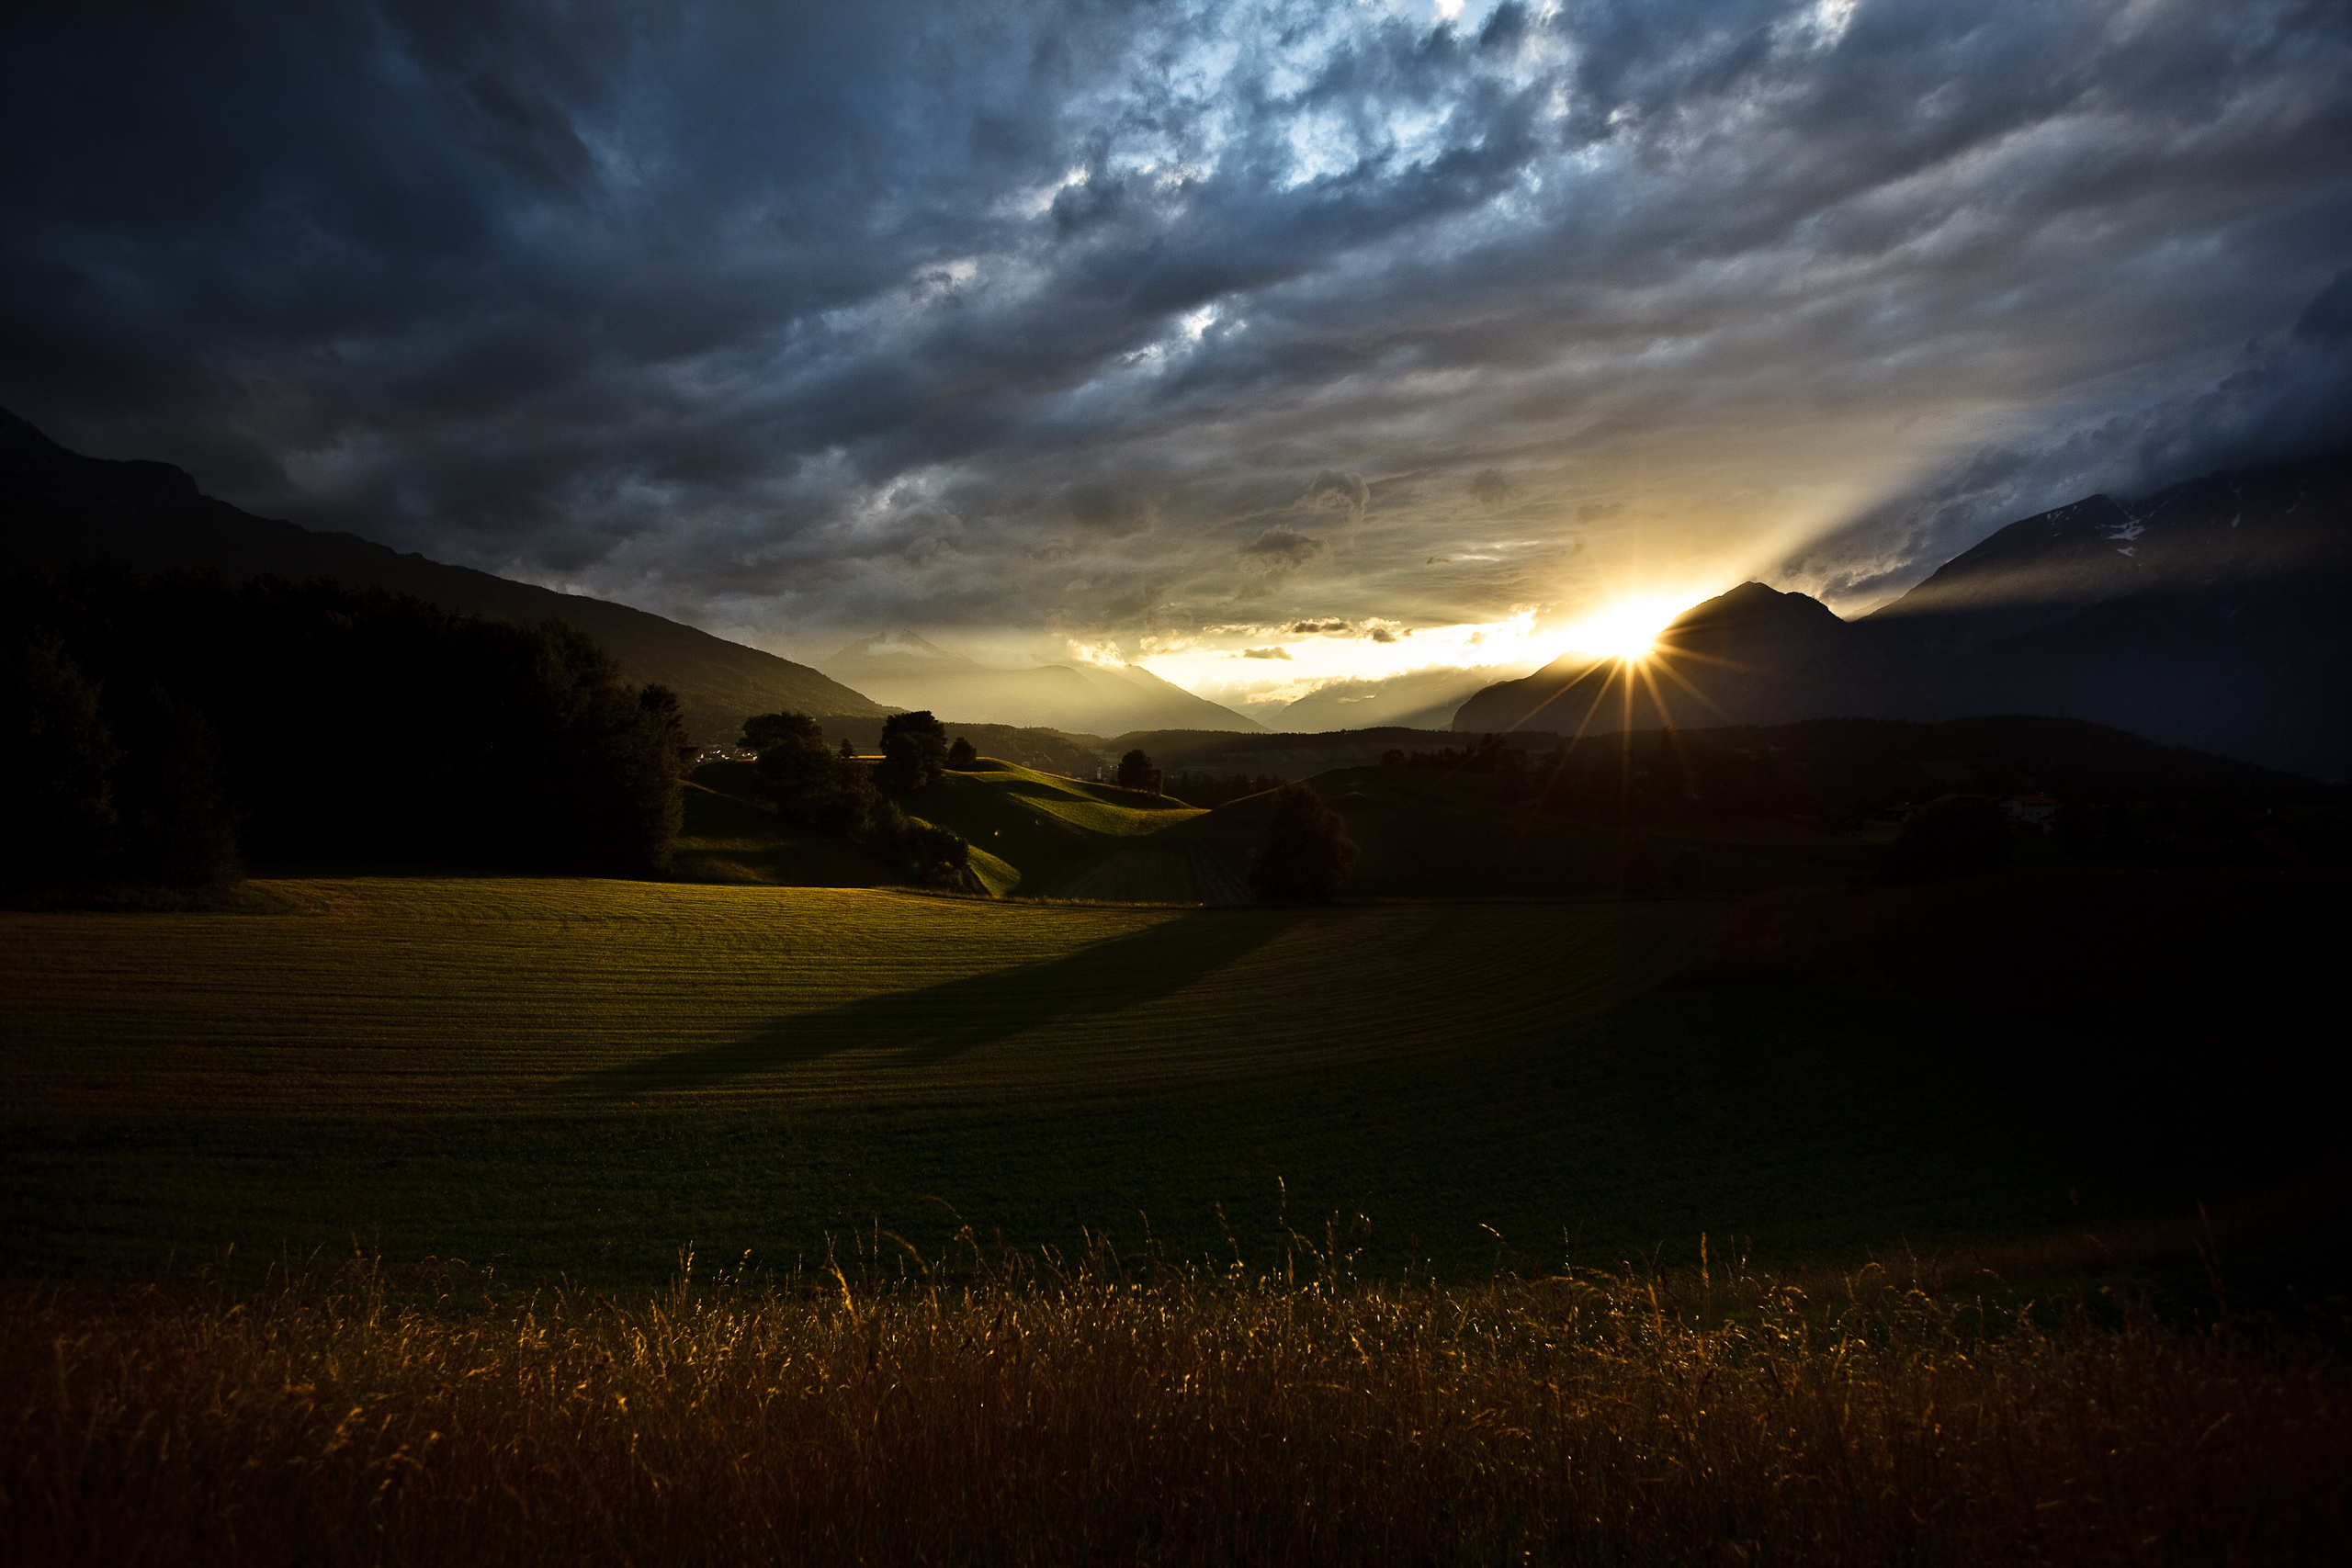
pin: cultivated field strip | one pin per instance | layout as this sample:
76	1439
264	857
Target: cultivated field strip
465	994
1137	877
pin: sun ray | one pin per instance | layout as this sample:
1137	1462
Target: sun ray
1665	666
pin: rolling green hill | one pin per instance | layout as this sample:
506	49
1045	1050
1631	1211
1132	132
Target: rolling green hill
1052	831
726	838
723	838
1032	833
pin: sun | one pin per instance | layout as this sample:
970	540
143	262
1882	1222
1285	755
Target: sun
1625	630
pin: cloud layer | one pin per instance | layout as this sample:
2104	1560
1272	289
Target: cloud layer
1118	323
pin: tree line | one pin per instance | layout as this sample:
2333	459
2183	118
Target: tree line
165	728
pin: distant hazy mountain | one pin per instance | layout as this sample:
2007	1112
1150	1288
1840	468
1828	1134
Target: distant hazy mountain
903	670
1423	699
2216	613
58	508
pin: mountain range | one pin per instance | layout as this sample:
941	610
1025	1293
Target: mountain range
2214	613
1101	699
60	509
1419	699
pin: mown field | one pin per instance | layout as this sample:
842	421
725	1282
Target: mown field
489	1220
577	1078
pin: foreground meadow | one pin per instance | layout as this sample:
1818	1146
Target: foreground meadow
1009	1197
1088	1412
571	1079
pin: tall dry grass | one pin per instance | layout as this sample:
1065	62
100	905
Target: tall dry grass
1085	1412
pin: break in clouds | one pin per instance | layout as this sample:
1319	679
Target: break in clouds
1108	323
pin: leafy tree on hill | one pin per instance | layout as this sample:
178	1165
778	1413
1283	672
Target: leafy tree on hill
935	854
1135	771
914	751
834	792
810	785
1307	855
962	757
763	731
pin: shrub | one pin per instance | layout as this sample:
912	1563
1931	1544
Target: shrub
1306	854
1946	839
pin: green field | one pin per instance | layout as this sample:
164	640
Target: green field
1031	833
580	1076
1050	830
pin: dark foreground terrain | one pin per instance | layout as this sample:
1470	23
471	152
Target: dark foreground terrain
372	1218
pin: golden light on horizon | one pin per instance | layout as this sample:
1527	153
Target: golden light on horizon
1626	630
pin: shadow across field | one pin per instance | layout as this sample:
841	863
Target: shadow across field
936	1024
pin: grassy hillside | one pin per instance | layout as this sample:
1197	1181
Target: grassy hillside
581	1076
1045	830
723	838
1031	832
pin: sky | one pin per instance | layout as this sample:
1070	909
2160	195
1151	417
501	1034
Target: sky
1265	343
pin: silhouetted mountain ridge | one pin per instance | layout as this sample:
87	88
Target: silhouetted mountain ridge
58	508
2214	613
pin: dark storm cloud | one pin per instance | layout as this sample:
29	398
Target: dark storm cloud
1347	491
2289	395
1282	550
792	319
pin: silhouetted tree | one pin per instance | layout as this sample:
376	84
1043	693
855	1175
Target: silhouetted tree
829	791
1306	854
1135	771
57	791
914	751
1947	838
2078	827
1510	775
356	723
764	730
1640	875
935	854
178	826
962	757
